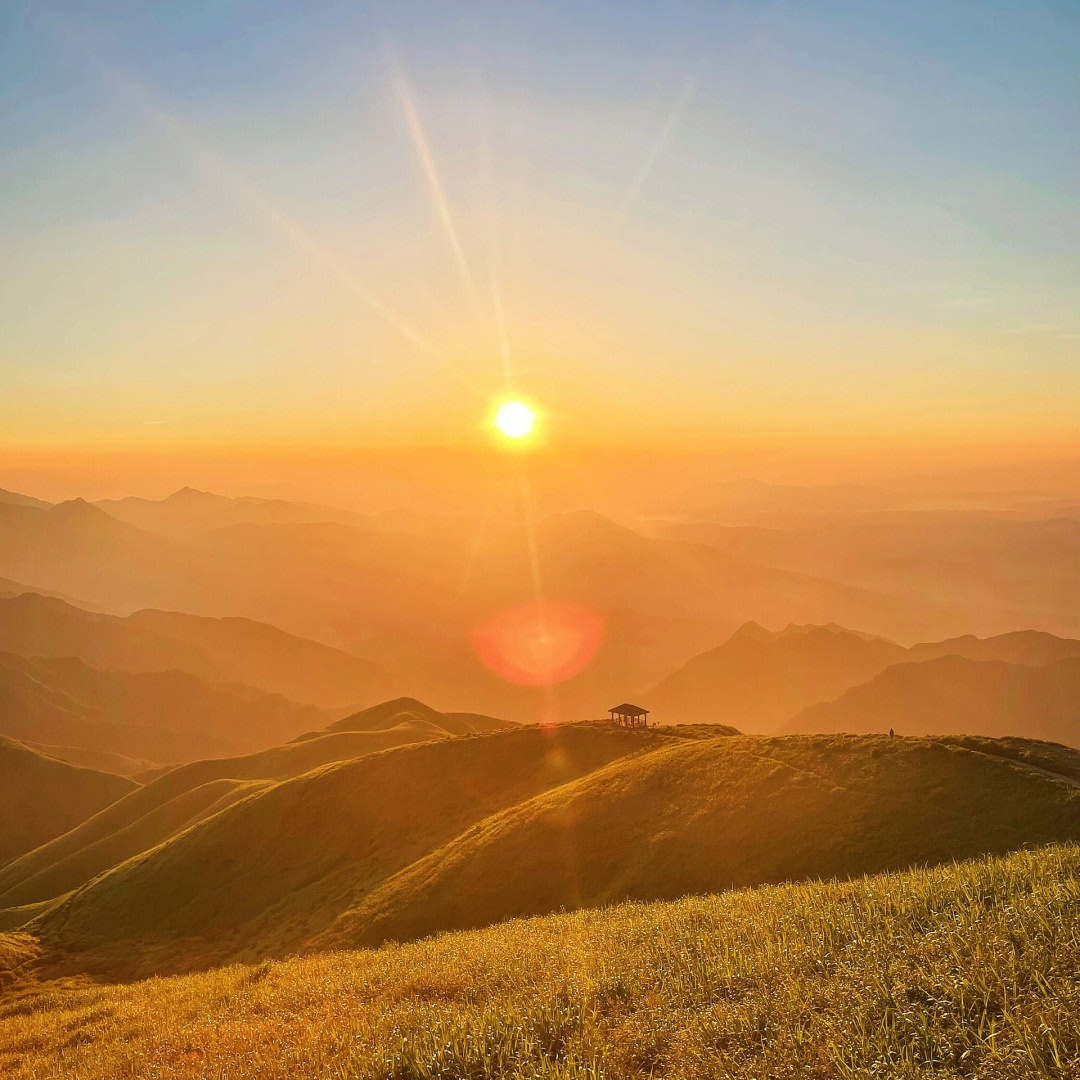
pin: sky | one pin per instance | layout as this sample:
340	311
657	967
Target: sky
235	227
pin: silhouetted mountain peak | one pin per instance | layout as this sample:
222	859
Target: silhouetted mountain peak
82	511
752	631
194	495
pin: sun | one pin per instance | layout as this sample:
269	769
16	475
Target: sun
514	419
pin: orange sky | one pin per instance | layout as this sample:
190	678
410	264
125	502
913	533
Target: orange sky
249	251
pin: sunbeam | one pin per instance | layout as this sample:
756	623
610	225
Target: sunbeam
491	219
256	202
419	139
657	148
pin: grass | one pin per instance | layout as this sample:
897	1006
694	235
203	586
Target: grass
963	970
170	803
701	816
266	873
462	833
173	800
42	797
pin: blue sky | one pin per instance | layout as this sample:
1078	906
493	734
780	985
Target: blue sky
692	214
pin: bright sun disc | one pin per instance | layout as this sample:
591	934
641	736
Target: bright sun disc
514	419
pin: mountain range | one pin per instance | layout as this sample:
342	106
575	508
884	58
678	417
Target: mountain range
759	680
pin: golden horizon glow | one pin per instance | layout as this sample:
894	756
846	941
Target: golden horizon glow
515	419
371	247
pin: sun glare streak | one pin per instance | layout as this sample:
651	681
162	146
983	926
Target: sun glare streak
481	116
500	320
530	535
657	148
419	139
225	175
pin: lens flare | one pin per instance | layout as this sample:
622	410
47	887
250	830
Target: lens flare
539	643
515	419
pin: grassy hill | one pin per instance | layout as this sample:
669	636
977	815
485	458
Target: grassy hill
217	650
466	831
158	716
42	797
952	694
175	799
963	970
277	867
409	710
724	813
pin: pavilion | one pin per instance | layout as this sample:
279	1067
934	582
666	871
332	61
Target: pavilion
630	715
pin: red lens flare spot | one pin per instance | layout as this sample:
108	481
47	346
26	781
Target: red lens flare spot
540	643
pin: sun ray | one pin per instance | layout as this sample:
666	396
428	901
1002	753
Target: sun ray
657	148
482	119
419	140
177	133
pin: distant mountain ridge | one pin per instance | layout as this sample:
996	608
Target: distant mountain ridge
157	716
759	680
15	499
188	512
409	599
228	650
954	694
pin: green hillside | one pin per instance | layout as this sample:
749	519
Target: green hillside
278	867
42	797
468	831
726	813
964	970
170	803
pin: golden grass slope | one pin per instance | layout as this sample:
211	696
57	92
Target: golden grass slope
464	832
706	816
171	802
278	866
41	797
962	970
